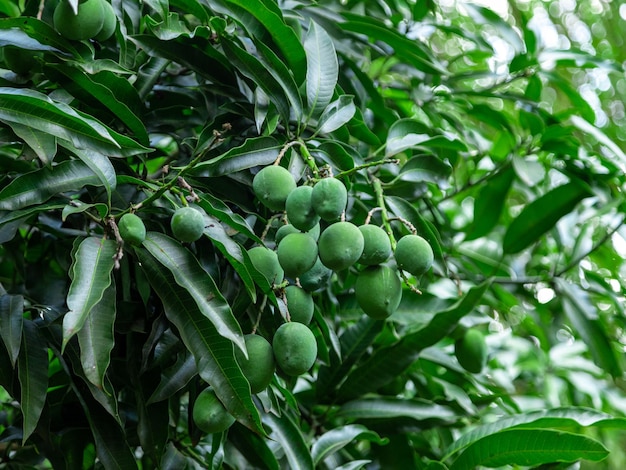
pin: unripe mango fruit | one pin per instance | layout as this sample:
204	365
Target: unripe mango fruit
299	208
272	185
131	228
297	253
266	262
209	413
295	348
340	245
187	223
329	199
300	304
414	254
316	278
259	367
108	24
376	245
378	291
85	24
286	229
471	351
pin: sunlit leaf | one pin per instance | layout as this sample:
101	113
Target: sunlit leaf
334	440
322	69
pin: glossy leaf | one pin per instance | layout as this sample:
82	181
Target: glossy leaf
214	354
96	337
174	378
91	276
197	282
44	145
542	214
11	321
253	152
334	440
40	185
322	69
289	435
336	114
389	408
32	368
529	447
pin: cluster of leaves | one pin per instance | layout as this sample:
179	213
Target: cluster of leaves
493	158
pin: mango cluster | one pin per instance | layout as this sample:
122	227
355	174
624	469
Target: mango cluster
94	19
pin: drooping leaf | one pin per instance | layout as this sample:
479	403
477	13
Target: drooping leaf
529	447
40	185
174	378
255	449
91	276
214	354
253	152
188	274
334	440
32	368
336	114
11	321
96	337
289	435
44	145
388	362
322	69
99	164
542	214
390	408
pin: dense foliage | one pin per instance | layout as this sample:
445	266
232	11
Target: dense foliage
495	137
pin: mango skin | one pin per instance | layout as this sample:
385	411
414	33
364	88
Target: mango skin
295	348
299	208
109	22
378	291
272	185
86	24
187	224
131	228
316	278
340	245
209	413
471	351
299	304
286	229
266	262
414	254
329	199
297	253
376	245
260	365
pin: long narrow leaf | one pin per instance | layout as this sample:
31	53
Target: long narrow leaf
322	69
91	276
289	435
334	440
11	321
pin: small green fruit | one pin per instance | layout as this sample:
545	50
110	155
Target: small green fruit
329	199
260	366
187	223
471	351
109	22
299	209
295	348
297	253
376	245
300	304
86	24
414	254
272	185
209	413
266	262
378	291
132	230
286	229
316	278
340	245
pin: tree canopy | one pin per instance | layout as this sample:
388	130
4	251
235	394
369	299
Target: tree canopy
477	322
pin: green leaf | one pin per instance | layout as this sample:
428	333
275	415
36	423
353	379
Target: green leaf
322	69
425	168
11	322
490	202
542	214
388	362
336	439
91	276
583	314
336	114
40	185
174	378
407	134
390	408
557	417
600	136
253	152
44	145
197	282
529	447
214	354
31	33
288	434
34	109
32	368
255	449
99	164
96	337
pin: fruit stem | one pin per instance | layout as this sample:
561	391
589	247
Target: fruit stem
367	165
258	318
380	200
